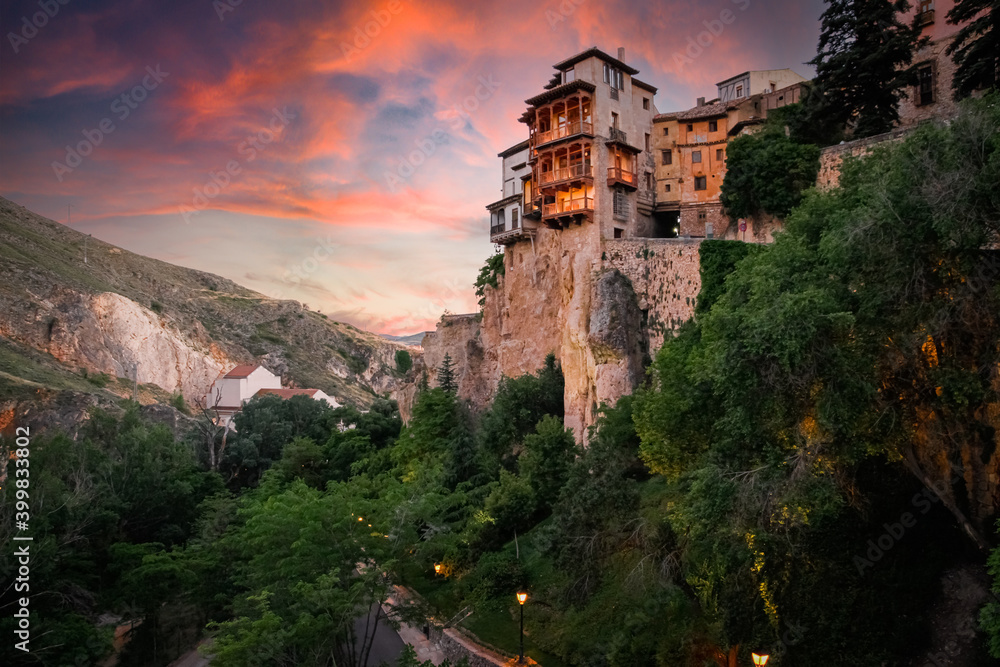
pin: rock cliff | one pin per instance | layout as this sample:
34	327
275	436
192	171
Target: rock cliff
117	311
602	306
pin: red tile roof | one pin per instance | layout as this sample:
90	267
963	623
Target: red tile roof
287	393
242	371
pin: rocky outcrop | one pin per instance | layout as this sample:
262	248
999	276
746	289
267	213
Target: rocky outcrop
109	333
601	306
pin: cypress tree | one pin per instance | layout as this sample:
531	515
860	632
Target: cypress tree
446	375
976	47
864	64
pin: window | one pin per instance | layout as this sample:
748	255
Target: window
695	156
619	232
926	5
713	126
620	205
569	75
700	183
718	154
513	218
667	156
613	77
666	131
739	91
925	85
690	127
666	187
645	103
649	181
702	216
709	231
647	141
614	120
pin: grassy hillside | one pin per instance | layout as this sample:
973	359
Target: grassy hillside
41	259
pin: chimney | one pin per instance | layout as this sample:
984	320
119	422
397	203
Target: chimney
701	102
621	53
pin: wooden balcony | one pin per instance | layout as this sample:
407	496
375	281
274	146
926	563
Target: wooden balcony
614	134
925	18
571	173
568	207
502	235
619	176
531	209
562	132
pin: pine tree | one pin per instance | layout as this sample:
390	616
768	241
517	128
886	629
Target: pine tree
446	375
424	384
976	47
863	64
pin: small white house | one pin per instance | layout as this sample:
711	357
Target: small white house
232	390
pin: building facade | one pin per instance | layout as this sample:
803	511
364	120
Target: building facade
690	152
232	390
590	148
932	96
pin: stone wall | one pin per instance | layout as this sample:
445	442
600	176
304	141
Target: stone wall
665	276
832	158
457	647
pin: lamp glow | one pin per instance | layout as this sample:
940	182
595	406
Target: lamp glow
437	568
522	597
760	659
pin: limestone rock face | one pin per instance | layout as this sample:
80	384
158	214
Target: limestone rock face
617	338
109	333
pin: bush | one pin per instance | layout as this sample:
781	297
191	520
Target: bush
404	362
156	307
488	276
497	578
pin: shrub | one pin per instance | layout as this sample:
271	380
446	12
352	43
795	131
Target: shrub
404	362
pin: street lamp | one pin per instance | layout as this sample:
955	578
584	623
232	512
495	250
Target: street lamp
760	660
437	568
522	597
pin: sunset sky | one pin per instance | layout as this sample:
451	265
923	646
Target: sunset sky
307	126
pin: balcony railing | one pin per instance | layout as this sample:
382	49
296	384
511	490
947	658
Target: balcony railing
567	173
563	131
621	175
497	229
925	18
614	134
614	93
530	208
568	206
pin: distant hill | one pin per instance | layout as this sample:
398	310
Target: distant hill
66	324
414	340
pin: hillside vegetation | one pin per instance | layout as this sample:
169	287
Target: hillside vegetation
47	290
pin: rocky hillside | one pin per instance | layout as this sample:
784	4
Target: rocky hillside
66	324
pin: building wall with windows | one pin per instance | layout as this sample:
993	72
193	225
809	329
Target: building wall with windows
932	96
756	82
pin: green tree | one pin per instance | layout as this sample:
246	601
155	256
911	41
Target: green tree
519	405
446	375
404	362
767	172
488	276
545	463
976	46
863	64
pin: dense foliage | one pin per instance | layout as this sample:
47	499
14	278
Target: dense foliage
488	276
767	172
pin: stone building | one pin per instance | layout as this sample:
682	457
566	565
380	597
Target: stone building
932	96
690	149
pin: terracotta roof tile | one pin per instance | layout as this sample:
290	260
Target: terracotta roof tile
241	371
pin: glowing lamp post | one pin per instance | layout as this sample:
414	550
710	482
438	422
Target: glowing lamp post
437	568
522	597
760	660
